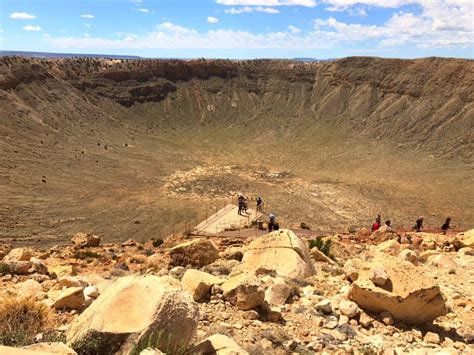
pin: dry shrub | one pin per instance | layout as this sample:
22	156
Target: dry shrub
21	319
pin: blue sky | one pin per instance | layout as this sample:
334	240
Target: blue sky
241	28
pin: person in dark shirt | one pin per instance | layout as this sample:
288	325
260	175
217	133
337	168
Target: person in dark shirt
445	225
418	225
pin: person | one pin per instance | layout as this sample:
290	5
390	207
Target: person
388	223
241	204
418	225
276	227
445	225
259	204
244	205
271	222
376	224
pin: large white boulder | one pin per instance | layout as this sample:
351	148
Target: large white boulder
408	295
133	310
280	251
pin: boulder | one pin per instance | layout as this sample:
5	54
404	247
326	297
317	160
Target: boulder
69	281
218	344
278	293
466	251
466	238
63	270
348	308
318	255
442	261
18	254
280	251
51	348
379	276
324	306
19	267
37	266
199	283
408	255
29	289
91	291
197	253
69	298
244	291
353	267
133	310
384	233
391	247
85	240
409	295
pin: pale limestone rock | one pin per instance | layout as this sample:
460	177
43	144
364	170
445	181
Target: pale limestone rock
244	291
134	308
199	283
197	253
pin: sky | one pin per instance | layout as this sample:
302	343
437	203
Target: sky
241	28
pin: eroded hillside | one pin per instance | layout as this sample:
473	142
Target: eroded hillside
95	144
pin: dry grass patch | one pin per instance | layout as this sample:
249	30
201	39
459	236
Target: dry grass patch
21	319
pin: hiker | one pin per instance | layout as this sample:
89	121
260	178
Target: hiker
241	204
445	225
418	225
376	224
271	222
259	204
388	224
244	205
276	227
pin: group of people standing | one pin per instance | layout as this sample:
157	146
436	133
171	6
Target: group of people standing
243	205
417	227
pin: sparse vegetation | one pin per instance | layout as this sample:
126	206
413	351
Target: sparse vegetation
324	246
4	268
157	242
21	319
87	346
159	340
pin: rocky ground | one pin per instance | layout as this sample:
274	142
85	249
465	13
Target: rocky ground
385	293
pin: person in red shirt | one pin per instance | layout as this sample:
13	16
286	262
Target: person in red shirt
376	224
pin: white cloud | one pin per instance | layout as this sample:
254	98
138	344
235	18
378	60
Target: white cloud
212	19
32	28
307	3
294	29
143	10
87	16
246	9
435	26
87	25
46	35
22	16
61	30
